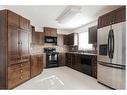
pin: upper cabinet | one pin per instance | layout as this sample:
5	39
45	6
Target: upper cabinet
37	37
13	19
112	17
24	23
50	31
71	39
93	35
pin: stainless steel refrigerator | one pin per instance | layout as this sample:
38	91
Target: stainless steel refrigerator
112	55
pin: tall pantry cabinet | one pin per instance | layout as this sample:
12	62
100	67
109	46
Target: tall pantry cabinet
14	49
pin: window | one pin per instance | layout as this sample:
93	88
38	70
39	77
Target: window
83	41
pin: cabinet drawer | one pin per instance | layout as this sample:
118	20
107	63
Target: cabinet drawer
18	74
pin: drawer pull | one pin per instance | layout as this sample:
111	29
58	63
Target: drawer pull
21	65
21	77
21	71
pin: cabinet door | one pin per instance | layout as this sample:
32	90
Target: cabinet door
24	23
106	19
50	31
13	45
93	35
36	65
13	19
120	15
40	63
71	39
24	44
66	39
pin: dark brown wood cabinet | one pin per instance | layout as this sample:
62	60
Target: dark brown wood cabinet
37	37
84	63
24	23
13	19
93	35
71	39
18	73
14	50
61	59
113	17
36	65
50	31
66	40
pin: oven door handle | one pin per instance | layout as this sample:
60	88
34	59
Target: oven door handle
50	57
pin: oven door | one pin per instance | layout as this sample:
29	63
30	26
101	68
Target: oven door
52	58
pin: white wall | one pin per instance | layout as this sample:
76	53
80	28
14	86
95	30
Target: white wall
85	27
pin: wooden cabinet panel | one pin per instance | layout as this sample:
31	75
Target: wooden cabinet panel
120	14
17	74
24	43
61	59
65	40
94	66
93	35
50	31
71	39
13	19
36	65
13	44
24	23
37	37
113	17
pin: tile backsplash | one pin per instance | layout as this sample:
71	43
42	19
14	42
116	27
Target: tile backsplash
38	49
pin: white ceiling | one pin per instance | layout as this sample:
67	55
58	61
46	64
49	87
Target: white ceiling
41	16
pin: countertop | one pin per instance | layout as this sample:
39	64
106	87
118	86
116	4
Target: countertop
83	53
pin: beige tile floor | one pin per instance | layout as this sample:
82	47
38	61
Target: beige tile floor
62	78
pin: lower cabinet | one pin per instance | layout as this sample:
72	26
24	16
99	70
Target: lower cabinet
36	65
61	59
84	63
18	74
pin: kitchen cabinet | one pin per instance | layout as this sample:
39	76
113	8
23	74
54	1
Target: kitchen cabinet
65	40
93	35
50	31
36	65
61	59
84	63
113	17
71	39
37	37
18	73
14	50
13	18
24	23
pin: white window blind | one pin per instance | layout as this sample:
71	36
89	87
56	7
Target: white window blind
83	41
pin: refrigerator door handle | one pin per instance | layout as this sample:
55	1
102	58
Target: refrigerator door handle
109	44
113	43
113	65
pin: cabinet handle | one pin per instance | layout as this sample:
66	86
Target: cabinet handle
21	65
21	71
21	77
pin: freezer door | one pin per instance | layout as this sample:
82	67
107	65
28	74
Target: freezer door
120	43
111	76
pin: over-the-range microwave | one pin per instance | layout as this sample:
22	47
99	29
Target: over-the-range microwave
50	39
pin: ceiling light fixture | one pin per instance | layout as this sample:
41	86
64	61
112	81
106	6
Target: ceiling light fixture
68	14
